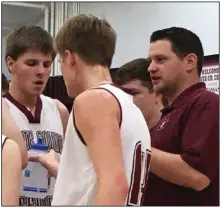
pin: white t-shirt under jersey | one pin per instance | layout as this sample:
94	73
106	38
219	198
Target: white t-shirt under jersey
46	124
76	180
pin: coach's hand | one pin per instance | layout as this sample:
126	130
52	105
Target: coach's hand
49	160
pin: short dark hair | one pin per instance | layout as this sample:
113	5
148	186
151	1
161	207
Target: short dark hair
91	38
183	43
134	70
5	83
27	38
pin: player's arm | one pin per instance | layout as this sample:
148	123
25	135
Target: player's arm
198	162
63	113
11	173
97	117
10	129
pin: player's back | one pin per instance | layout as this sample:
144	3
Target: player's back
76	174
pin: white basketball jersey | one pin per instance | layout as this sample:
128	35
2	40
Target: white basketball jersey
76	180
4	138
46	124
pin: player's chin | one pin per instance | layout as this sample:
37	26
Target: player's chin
37	91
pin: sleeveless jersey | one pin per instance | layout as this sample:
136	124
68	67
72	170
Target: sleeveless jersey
76	180
46	124
4	138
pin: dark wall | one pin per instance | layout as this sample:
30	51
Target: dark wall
55	87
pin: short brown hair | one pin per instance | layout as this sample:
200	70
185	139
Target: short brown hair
134	70
29	38
91	38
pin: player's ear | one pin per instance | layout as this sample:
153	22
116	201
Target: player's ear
10	64
69	58
77	60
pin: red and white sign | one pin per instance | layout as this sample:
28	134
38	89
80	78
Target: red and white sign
210	75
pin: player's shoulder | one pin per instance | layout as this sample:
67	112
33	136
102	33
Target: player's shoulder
94	99
62	109
46	98
10	146
94	96
48	101
4	103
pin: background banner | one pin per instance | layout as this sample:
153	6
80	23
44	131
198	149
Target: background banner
210	73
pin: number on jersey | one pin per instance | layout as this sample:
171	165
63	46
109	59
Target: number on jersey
139	176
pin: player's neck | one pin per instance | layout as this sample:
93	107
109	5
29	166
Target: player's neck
24	99
153	120
95	76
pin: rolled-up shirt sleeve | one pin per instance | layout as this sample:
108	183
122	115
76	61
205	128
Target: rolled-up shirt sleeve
200	139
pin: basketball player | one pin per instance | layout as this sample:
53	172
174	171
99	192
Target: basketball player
11	130
14	158
5	85
106	153
185	142
11	172
135	79
29	55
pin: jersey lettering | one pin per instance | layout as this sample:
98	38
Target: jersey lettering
139	176
54	141
29	138
27	201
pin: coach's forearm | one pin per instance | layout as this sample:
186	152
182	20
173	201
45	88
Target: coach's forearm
172	168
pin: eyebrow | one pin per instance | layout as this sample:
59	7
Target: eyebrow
130	91
157	56
32	59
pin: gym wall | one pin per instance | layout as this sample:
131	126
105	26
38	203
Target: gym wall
135	21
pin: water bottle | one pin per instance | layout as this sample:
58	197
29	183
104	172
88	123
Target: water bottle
35	178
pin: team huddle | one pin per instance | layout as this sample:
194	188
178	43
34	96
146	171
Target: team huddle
136	138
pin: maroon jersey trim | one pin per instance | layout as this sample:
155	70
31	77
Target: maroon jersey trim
32	119
128	91
6	138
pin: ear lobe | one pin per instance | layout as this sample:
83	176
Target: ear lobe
10	64
69	57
